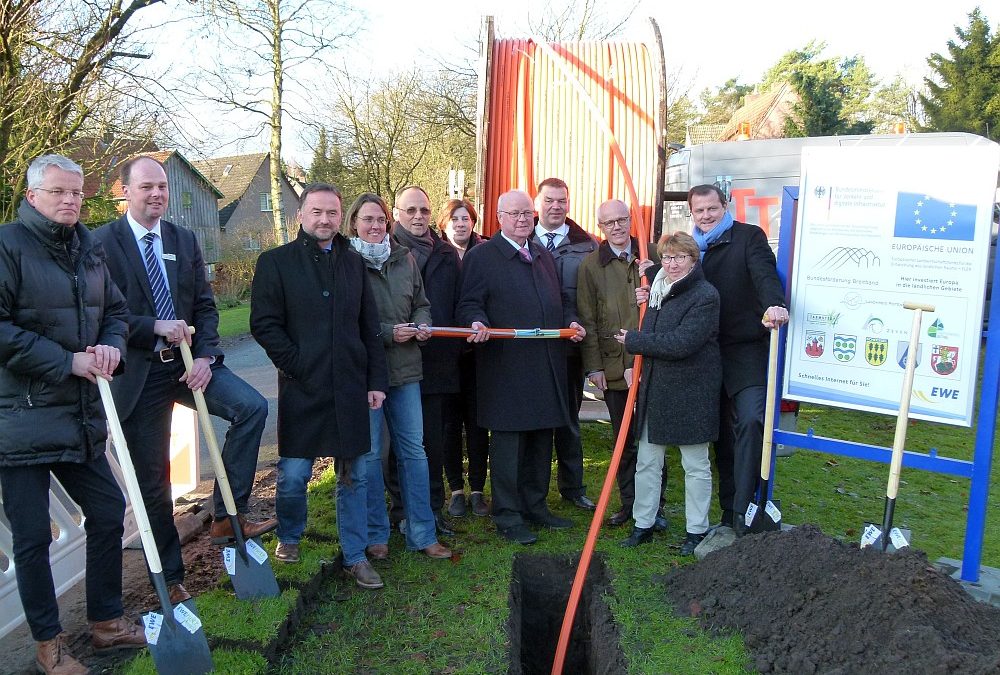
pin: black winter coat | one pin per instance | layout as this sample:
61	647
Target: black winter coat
442	274
681	369
741	266
56	298
521	382
314	314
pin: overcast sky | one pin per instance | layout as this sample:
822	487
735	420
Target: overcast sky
707	42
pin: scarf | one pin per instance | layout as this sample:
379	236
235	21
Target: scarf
706	239
420	247
659	289
375	255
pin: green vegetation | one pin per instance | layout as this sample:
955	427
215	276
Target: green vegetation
234	321
231	662
450	616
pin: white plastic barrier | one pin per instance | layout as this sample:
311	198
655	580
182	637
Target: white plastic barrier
67	554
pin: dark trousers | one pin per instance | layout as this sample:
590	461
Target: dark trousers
437	411
147	432
520	468
569	446
616	399
26	504
737	452
477	439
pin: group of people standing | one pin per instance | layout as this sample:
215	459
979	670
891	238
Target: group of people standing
345	312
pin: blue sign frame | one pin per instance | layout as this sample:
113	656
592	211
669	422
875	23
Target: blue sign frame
978	470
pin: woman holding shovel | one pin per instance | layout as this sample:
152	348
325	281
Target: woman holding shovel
677	402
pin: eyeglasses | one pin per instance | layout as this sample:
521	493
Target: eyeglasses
518	215
412	211
623	223
371	220
674	258
59	193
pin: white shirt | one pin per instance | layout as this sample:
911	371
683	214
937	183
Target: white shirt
618	253
514	243
140	231
561	232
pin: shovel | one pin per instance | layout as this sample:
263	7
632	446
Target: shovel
248	566
889	538
764	515
175	638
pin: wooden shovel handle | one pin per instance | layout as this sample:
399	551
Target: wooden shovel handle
206	426
772	385
131	482
899	437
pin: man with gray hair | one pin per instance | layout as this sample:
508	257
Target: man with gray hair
63	323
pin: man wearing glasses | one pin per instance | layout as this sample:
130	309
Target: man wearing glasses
605	303
569	244
511	282
737	260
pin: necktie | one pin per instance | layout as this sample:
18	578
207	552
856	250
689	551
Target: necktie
525	254
550	244
623	256
161	294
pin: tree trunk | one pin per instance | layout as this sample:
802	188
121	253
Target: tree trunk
277	203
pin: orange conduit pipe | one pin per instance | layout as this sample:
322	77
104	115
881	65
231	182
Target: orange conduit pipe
642	234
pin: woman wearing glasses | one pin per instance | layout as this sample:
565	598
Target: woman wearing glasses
679	386
404	314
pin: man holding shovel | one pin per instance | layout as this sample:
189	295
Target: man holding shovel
62	324
159	268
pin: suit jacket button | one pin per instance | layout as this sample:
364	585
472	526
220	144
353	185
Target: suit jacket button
326	294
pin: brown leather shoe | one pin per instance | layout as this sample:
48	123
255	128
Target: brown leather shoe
222	529
287	553
115	634
438	551
378	551
178	594
364	575
53	658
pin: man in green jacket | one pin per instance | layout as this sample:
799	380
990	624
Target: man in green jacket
606	303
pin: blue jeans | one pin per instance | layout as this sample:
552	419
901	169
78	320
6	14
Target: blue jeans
378	516
290	503
403	415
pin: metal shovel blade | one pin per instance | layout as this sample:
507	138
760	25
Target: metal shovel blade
886	544
252	578
177	650
763	521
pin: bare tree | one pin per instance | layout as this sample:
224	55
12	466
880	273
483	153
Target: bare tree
60	80
260	43
566	20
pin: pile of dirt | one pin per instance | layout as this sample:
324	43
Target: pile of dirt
807	603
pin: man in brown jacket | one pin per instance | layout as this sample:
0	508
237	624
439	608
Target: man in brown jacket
606	303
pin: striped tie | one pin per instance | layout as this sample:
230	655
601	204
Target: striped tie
161	294
550	244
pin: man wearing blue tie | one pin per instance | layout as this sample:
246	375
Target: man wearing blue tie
160	270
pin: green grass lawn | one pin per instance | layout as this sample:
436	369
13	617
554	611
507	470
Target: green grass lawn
449	617
234	321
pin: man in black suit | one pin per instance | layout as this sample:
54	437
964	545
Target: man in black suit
511	282
159	268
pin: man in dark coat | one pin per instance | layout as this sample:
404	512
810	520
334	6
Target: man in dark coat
569	244
62	324
159	268
737	260
313	313
511	282
440	268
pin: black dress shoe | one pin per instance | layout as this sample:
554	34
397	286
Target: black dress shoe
478	504
640	535
582	502
660	522
519	534
619	518
549	520
442	525
691	543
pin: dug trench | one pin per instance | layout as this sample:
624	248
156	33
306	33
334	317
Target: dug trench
807	603
539	592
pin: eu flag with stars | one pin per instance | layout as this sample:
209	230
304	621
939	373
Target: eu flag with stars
920	216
